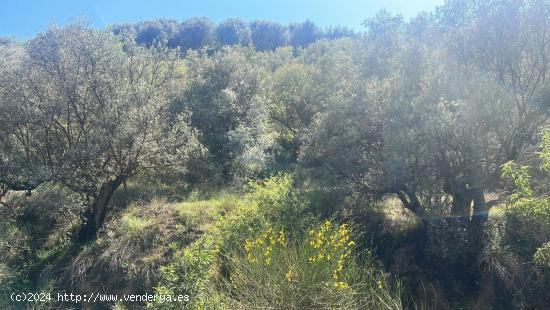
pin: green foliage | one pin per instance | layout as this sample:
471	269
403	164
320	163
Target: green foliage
544	154
520	176
542	256
199	32
265	242
271	192
133	225
128	256
34	232
233	31
192	268
405	128
14	264
517	231
318	271
501	257
193	33
524	197
272	201
226	94
190	273
113	123
267	35
199	268
304	33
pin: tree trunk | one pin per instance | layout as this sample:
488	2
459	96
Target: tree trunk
414	202
461	204
94	216
409	200
479	217
481	211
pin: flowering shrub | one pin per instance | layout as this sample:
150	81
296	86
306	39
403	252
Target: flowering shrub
331	245
268	254
263	245
319	270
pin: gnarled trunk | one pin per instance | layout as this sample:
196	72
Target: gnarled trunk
481	210
479	217
94	216
462	202
409	200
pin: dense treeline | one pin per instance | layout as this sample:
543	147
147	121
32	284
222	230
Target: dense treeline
197	32
425	135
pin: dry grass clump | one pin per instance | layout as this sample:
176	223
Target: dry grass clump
135	243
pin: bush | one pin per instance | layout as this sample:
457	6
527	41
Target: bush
319	271
190	273
34	231
542	256
272	201
517	252
267	250
191	269
199	269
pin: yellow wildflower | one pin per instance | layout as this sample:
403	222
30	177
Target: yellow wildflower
340	284
290	275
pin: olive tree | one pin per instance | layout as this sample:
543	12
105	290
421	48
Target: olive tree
466	121
193	33
233	31
418	127
510	41
303	34
89	111
307	86
267	35
227	95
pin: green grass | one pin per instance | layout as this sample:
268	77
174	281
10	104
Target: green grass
203	213
134	225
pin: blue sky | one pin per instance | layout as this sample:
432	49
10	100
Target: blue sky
24	18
